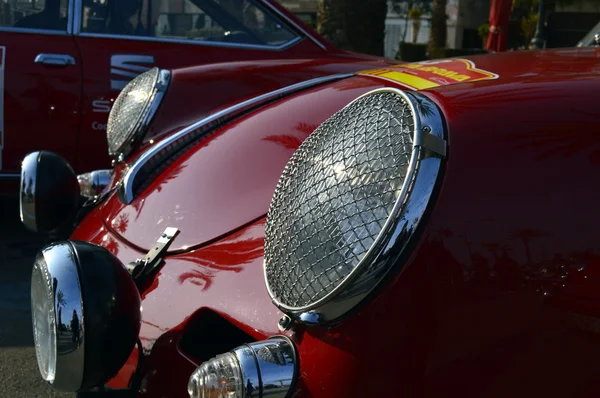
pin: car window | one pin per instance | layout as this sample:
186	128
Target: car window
34	14
588	39
229	21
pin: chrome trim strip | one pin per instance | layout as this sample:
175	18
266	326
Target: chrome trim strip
77	17
61	264
70	8
11	29
295	25
194	42
421	176
126	188
54	59
10	175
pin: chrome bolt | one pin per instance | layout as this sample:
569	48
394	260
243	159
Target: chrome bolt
426	130
285	323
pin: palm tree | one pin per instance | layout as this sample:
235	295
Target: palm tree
356	25
437	38
61	303
60	299
526	235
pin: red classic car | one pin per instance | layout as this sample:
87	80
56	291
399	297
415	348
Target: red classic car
62	63
415	230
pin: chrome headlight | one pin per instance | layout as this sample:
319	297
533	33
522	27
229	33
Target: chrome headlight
134	109
348	202
49	194
86	316
263	368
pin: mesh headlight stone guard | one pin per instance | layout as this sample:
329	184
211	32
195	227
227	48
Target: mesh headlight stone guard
133	111
350	196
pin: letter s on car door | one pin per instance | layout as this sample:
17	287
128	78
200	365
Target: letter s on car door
41	68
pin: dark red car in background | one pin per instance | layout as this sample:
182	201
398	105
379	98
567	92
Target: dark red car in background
63	63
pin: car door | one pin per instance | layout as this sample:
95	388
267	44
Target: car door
40	83
119	39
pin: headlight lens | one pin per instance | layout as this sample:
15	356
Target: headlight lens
218	378
75	351
134	109
44	319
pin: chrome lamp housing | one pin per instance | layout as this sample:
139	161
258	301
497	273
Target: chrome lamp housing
86	315
133	111
349	202
49	192
254	370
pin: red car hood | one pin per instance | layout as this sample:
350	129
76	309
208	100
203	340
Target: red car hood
226	181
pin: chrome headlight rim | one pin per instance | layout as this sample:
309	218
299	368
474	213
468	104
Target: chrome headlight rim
49	195
424	169
60	261
142	122
27	196
265	367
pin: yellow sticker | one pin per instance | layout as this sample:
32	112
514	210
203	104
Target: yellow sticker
429	74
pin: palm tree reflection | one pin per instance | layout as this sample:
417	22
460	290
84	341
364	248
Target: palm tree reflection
231	254
292	141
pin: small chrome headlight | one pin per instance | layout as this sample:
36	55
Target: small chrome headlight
49	196
86	316
134	109
349	200
264	368
93	183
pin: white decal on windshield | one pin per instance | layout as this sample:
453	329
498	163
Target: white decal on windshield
2	62
123	68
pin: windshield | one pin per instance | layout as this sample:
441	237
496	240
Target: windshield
588	39
231	21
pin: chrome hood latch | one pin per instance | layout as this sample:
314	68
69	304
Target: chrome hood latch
153	259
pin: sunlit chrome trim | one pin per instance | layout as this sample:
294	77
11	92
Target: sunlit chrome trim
261	370
70	7
61	264
295	25
10	175
194	42
54	59
27	199
77	16
429	148
126	186
33	31
249	371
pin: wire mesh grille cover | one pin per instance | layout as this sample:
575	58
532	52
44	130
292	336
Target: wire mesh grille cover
334	197
129	109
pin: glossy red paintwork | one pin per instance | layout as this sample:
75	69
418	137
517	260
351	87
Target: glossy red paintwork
199	91
41	102
225	184
52	108
499	296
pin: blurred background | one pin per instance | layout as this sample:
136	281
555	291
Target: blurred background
413	30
